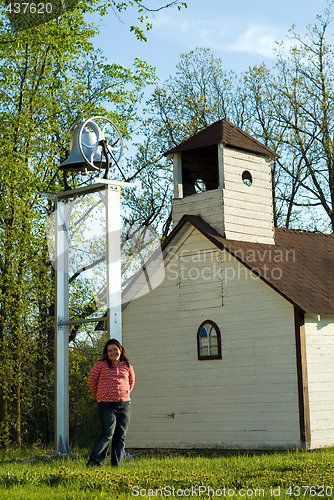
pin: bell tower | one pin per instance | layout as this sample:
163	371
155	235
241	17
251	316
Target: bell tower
224	175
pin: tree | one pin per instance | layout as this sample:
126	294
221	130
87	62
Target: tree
288	107
23	16
50	77
142	14
300	92
200	93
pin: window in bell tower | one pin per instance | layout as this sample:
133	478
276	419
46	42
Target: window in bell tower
200	170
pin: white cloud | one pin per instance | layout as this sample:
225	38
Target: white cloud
257	39
232	35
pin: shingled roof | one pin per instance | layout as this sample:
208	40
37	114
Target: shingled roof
223	132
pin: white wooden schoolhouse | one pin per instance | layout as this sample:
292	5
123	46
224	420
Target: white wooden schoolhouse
233	347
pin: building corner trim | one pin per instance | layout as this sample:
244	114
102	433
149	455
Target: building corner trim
303	393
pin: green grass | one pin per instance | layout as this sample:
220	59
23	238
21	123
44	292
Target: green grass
27	475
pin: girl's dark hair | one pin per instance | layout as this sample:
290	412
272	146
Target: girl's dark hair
123	356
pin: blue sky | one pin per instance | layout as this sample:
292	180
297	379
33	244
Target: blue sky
241	33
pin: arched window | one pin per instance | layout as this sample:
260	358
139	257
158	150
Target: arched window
209	341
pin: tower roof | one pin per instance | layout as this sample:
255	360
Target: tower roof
223	132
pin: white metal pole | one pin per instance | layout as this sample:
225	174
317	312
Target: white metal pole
61	330
113	226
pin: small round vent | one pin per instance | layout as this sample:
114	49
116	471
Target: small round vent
247	178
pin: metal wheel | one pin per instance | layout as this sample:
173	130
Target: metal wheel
105	146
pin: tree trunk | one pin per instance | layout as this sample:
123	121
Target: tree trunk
4	420
16	414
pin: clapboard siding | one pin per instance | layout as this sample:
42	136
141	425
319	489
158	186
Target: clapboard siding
139	321
248	223
208	204
247	399
242	159
262	173
256	322
246	196
251	214
252	192
238	231
319	334
241	203
233	220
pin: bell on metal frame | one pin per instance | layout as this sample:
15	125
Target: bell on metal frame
75	162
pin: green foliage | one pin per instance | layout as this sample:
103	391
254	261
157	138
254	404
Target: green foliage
142	13
215	469
50	78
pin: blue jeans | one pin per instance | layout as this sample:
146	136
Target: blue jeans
114	419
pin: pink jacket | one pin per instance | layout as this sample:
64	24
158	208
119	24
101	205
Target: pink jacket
111	384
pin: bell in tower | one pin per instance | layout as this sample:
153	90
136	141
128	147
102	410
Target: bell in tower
224	175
